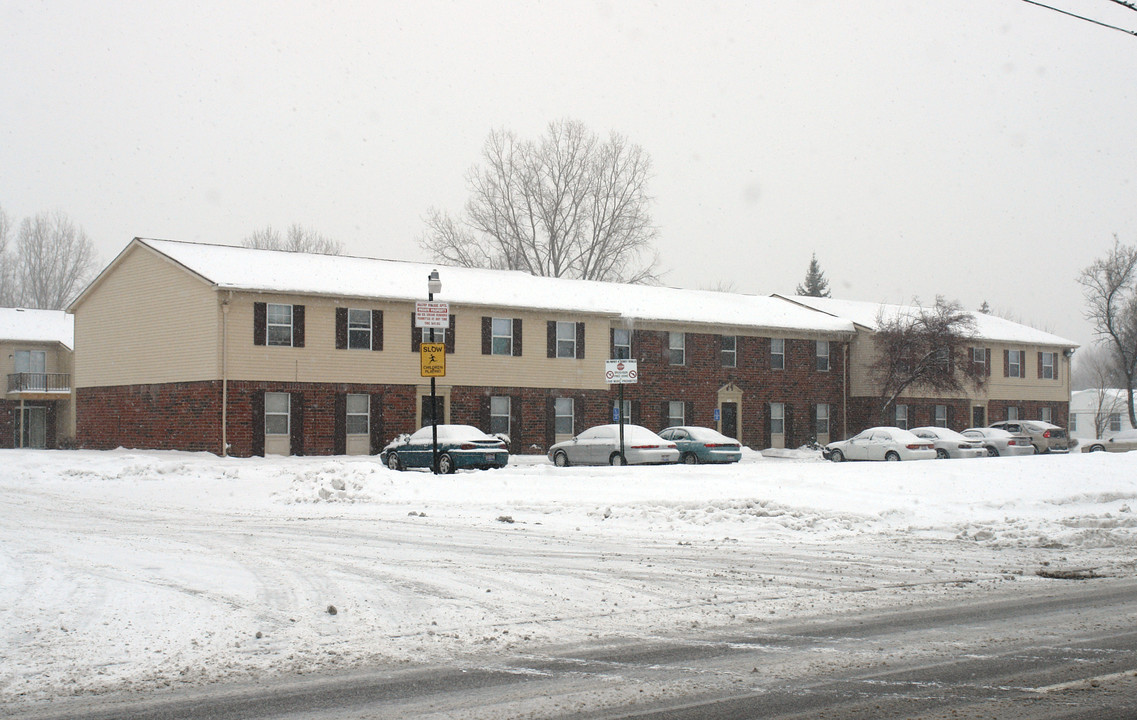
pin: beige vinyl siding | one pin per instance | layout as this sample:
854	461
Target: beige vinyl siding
147	321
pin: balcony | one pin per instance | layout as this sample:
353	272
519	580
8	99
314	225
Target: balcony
39	386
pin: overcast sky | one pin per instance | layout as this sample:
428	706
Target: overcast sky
978	149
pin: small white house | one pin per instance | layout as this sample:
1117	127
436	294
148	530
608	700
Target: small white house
1087	407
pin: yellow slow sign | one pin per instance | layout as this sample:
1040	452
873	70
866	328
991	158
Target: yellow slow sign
432	357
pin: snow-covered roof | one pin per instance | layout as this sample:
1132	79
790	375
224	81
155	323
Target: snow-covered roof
248	269
988	327
26	325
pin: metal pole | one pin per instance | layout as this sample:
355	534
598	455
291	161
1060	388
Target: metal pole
623	458
433	409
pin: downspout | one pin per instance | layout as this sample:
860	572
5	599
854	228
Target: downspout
845	391
225	374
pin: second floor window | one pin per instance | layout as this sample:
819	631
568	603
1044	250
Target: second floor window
278	321
677	348
823	356
729	351
566	339
979	358
31	361
621	344
1014	363
1046	365
501	340
358	329
777	353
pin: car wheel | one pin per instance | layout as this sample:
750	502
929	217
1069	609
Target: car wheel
446	464
837	456
617	459
992	451
941	454
561	459
393	461
1097	448
1036	450
690	459
891	457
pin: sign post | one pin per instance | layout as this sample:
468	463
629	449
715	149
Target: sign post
621	372
432	355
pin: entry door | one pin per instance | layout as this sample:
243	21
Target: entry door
730	419
440	413
978	416
32	429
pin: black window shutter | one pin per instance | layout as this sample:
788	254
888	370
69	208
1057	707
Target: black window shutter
551	339
450	333
1006	363
516	337
376	329
296	402
341	328
257	405
789	423
550	421
665	346
612	342
689	413
487	335
766	421
297	326
579	340
377	436
484	413
1040	365
664	413
260	324
51	426
634	412
987	354
813	421
339	425
515	421
416	335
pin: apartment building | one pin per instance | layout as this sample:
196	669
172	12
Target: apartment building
35	359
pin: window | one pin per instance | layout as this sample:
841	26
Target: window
278	320
358	414
677	348
941	416
1014	363
621	344
823	356
1044	415
1073	422
499	415
501	336
902	417
31	361
1115	422
1012	413
822	427
676	411
566	339
1047	364
979	358
276	413
358	329
943	358
729	351
563	419
777	353
625	411
777	418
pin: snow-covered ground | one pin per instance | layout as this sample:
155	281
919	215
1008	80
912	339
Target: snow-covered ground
134	570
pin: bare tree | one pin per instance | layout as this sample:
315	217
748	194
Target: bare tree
1110	287
927	348
567	205
54	260
296	239
815	284
7	263
1096	371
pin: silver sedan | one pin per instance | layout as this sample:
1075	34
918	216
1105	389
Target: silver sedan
600	445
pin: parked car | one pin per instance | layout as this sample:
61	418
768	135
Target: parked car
1045	437
950	444
1000	442
702	445
1123	441
880	443
600	445
459	446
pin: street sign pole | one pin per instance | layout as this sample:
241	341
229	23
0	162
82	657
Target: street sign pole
623	458
621	372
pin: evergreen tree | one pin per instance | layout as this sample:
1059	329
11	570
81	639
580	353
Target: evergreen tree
985	308
815	284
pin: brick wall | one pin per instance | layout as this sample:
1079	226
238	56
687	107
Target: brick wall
8	411
167	416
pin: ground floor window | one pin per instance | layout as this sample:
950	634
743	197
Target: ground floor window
1073	422
676	413
941	416
625	411
499	415
564	416
276	413
902	417
358	414
1045	415
822	427
1115	422
777	418
1012	413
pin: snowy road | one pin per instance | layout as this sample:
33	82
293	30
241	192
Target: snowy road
134	572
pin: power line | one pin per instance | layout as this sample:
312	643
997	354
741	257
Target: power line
1091	20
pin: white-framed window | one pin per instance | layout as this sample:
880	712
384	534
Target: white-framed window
1044	414
501	336
621	344
499	414
1012	413
730	351
277	413
278	324
566	340
777	353
358	329
677	348
777	419
358	414
902	417
1073	422
1115	422
563	421
943	358
823	356
822	419
625	411
1015	363
979	357
1048	364
31	361
676	411
941	416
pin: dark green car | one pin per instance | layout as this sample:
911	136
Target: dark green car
459	446
702	445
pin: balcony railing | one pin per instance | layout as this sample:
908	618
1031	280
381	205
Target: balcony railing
39	383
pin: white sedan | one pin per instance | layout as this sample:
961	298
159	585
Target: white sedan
950	444
1123	441
600	445
881	443
1000	442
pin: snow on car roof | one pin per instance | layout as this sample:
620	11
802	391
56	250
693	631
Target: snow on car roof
987	327
28	325
251	269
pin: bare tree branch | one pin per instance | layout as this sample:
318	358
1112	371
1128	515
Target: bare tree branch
8	291
297	239
54	259
1110	288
